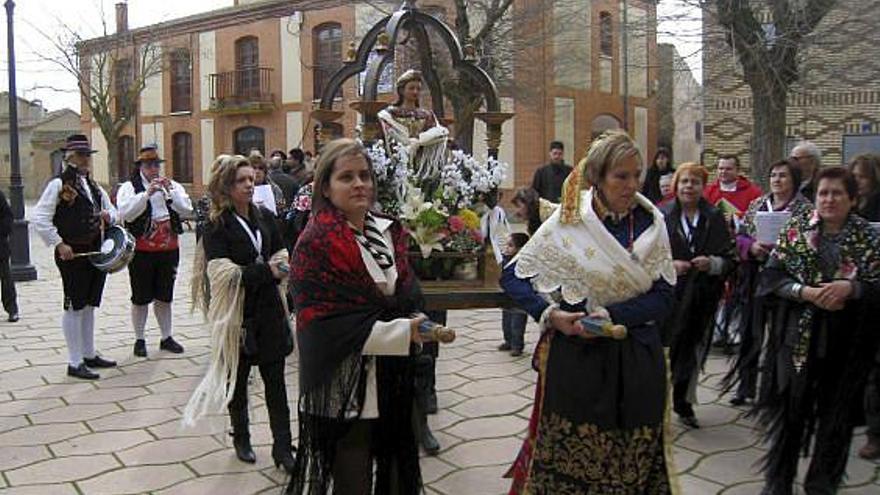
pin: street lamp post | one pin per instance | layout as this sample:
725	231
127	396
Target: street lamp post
21	256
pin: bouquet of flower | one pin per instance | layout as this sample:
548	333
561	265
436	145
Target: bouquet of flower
439	216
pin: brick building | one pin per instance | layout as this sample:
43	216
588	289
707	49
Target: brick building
679	106
248	76
836	99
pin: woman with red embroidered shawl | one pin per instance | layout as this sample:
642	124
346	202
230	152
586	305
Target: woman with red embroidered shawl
824	279
597	423
355	298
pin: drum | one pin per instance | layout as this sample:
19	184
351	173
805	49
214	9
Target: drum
117	250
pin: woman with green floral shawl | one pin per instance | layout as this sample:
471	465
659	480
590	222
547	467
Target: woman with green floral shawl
825	274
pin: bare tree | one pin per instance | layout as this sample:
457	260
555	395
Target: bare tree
111	72
768	53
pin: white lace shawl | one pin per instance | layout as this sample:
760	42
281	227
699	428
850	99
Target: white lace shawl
584	261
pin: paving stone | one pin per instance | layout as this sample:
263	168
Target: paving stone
105	396
479	480
69	414
168	450
15	457
239	484
205	426
493	386
491	406
494	427
41	434
434	468
101	443
224	461
13	422
729	467
717	439
693	485
133	419
483	453
54	489
136	480
61	470
54	390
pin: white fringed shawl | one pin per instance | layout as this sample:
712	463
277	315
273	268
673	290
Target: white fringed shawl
584	261
225	313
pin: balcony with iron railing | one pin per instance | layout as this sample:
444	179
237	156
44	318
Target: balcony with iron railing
247	90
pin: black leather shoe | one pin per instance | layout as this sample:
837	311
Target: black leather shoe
13	317
283	458
171	345
82	372
431	405
690	421
99	362
140	348
243	449
516	352
429	443
504	347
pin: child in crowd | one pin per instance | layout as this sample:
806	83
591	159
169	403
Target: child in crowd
513	320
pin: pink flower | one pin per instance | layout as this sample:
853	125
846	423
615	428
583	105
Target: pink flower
456	224
848	269
476	236
813	239
792	235
814	218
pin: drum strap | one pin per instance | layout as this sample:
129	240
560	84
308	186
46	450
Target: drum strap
256	239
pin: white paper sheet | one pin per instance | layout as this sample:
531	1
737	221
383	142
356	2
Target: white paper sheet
768	225
263	196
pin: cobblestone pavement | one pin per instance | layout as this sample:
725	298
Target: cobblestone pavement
122	434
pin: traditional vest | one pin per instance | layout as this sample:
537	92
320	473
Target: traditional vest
77	219
141	224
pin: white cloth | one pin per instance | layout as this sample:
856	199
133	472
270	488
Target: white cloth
162	310
44	211
132	205
584	261
494	226
731	187
388	338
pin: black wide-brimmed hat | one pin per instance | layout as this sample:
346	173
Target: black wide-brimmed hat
78	143
149	154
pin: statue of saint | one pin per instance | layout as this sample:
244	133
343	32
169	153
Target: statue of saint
408	125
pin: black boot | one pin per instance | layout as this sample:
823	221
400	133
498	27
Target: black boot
282	454
423	432
243	449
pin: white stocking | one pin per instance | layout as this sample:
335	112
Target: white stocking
162	310
70	322
139	314
88	331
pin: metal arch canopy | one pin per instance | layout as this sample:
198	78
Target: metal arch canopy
408	16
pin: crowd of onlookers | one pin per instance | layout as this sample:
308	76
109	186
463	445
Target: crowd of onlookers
782	279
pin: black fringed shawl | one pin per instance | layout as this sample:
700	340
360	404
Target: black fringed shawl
816	358
337	303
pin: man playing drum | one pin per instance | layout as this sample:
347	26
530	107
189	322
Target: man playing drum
70	217
151	206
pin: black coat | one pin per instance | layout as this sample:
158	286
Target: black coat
5	226
871	211
268	335
696	293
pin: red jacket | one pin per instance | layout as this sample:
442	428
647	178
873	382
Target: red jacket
745	192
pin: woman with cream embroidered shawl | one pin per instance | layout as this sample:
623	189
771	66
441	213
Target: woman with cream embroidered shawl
242	253
355	298
597	422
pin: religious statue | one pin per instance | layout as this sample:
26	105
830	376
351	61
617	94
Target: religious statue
408	125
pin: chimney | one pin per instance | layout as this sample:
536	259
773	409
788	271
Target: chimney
121	17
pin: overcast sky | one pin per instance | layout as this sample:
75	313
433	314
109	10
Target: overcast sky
37	79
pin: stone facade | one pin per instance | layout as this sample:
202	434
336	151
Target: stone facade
679	106
40	135
838	92
569	100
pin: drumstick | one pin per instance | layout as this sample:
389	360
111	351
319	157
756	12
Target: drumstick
88	253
